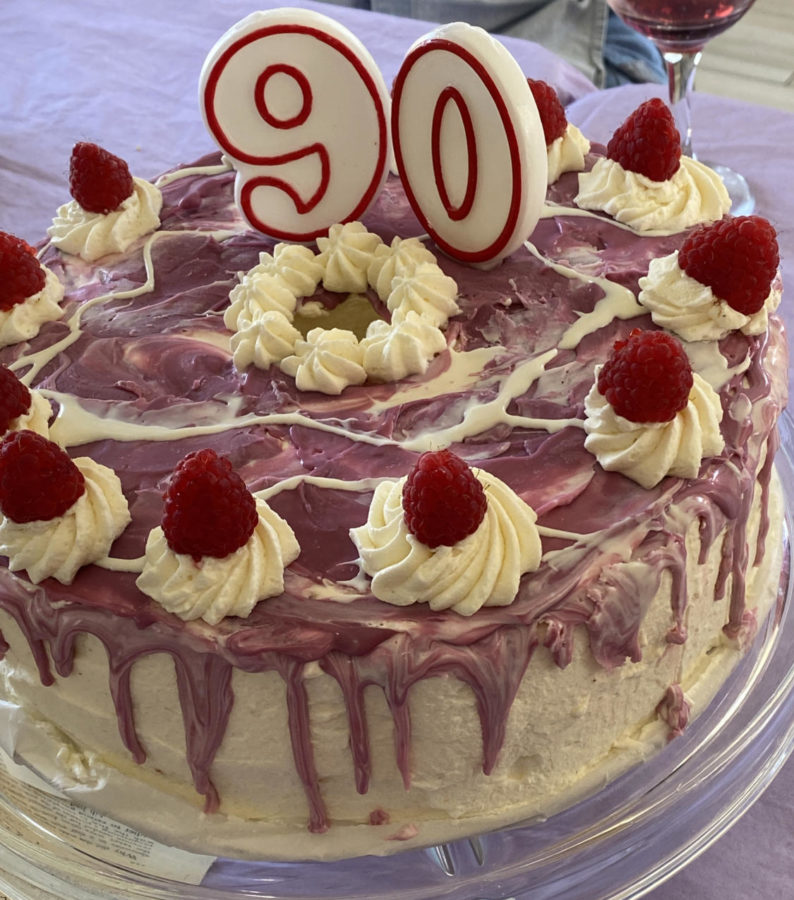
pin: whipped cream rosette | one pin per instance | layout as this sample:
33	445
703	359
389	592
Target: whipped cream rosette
93	235
219	550
327	361
404	275
110	209
567	153
453	559
30	293
648	415
694	194
58	514
644	181
566	146
724	278
21	409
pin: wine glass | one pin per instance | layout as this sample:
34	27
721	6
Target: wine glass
680	29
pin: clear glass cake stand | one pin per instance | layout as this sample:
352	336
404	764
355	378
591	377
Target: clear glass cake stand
618	844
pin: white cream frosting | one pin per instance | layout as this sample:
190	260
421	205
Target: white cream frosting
392	352
37	418
483	569
326	361
59	547
426	291
345	256
214	588
295	265
93	235
267	340
258	292
682	304
420	297
567	152
648	451
24	320
401	257
694	194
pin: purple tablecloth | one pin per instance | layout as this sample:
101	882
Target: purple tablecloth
126	76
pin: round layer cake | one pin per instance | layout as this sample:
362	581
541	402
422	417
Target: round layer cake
328	722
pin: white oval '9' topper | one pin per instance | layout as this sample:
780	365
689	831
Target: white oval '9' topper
469	144
299	106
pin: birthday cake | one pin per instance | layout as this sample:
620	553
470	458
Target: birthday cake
318	550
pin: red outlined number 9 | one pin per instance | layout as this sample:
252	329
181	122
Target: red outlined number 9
300	108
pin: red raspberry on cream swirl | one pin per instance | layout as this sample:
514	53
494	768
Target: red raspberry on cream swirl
219	550
58	514
648	415
483	568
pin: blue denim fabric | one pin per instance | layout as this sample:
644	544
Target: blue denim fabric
579	31
629	57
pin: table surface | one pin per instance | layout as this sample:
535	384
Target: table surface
125	76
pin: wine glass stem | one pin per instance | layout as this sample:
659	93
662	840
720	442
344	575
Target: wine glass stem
681	69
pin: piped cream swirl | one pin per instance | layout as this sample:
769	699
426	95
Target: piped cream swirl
326	361
295	265
682	304
426	291
59	547
392	352
483	569
268	339
93	235
215	588
648	451
694	194
345	256
36	418
400	258
24	320
567	153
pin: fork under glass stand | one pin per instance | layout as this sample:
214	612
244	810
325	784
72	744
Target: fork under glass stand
454	858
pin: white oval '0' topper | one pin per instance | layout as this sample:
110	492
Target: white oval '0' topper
469	144
300	108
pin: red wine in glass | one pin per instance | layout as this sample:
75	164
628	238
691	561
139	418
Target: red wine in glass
680	25
680	29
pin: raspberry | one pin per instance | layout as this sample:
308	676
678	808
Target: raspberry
443	502
99	181
647	377
38	480
552	115
648	142
21	274
737	258
14	398
208	509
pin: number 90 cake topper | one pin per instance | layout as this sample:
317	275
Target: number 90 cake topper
301	109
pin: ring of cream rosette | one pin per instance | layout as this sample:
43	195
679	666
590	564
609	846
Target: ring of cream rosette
405	276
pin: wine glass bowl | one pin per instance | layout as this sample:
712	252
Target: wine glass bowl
680	26
680	29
